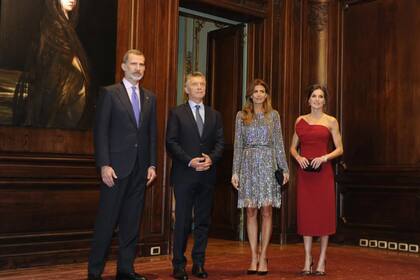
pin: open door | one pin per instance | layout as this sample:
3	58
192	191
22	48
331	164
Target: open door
224	85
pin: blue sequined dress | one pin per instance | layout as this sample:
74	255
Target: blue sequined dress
258	148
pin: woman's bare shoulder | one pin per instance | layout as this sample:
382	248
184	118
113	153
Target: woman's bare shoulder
300	117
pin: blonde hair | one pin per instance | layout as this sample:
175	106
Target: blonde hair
248	113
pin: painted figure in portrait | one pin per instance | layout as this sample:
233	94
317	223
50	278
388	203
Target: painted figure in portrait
53	91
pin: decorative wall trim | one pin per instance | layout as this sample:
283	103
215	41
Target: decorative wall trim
132	16
318	15
198	25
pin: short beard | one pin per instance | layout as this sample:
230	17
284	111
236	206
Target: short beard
136	77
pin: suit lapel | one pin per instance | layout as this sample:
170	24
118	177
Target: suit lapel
207	120
145	105
191	118
123	96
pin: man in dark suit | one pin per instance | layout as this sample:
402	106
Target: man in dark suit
125	152
194	139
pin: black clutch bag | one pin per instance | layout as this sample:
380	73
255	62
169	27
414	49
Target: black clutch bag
310	168
279	176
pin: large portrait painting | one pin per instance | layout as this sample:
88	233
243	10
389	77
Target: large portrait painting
54	55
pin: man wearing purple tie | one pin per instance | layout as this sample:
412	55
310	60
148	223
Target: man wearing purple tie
125	153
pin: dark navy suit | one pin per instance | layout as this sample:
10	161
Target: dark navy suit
193	189
129	149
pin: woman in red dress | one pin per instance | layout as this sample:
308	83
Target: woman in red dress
316	210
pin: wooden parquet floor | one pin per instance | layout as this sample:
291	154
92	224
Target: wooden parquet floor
230	259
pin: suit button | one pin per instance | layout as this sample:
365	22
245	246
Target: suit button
135	145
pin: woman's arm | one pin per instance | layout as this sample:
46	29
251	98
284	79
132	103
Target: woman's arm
237	151
303	162
338	151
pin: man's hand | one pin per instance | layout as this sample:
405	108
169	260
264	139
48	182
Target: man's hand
151	175
108	175
201	163
205	164
196	162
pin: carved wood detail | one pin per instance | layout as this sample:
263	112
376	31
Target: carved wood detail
318	14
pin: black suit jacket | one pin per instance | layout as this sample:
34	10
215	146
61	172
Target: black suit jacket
118	140
183	143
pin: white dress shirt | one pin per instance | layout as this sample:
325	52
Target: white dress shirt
201	110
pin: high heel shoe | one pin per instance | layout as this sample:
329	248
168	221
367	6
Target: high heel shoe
252	271
262	273
307	272
319	272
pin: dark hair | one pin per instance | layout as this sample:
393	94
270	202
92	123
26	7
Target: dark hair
313	88
55	11
133	52
50	75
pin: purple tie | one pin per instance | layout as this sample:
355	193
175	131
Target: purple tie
136	104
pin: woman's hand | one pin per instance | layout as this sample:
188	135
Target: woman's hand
235	181
285	177
303	162
316	162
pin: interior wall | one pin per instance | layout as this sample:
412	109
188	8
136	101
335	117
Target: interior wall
48	183
365	52
379	190
192	46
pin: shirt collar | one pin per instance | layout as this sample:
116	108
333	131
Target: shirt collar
192	104
129	85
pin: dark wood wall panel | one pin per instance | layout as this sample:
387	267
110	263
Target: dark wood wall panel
46	221
309	55
379	189
237	10
48	201
380	206
45	141
378	212
52	172
152	27
291	75
224	87
47	208
364	50
381	85
48	180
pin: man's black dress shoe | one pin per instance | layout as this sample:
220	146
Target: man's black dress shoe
198	271
93	277
180	274
129	276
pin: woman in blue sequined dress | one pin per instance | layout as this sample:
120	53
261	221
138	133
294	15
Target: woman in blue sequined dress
258	150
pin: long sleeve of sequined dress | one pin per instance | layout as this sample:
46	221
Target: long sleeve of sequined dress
278	143
237	146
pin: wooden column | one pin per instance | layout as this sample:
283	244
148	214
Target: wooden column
152	27
317	24
320	47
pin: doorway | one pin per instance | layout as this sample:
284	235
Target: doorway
217	47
